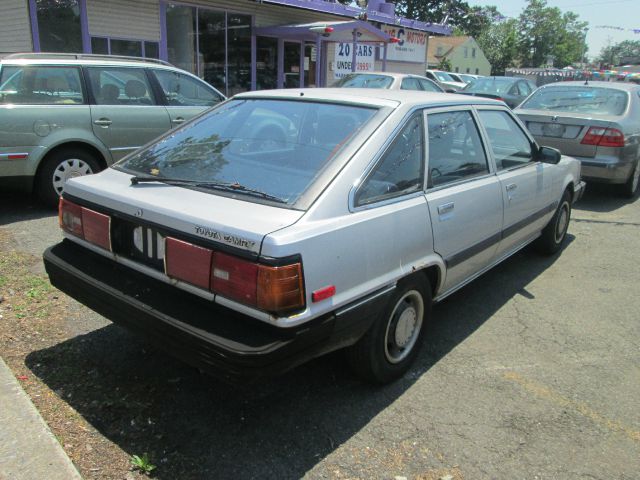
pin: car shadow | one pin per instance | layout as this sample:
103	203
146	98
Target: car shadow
16	207
602	198
194	426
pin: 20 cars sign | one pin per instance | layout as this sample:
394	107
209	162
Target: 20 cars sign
411	47
365	58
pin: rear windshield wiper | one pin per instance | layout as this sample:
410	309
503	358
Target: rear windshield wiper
222	186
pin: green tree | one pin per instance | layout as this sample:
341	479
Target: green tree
478	20
500	45
450	12
445	64
545	32
615	54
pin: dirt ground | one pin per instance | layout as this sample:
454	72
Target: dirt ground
532	372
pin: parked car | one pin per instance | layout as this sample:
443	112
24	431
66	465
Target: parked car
510	90
393	81
467	77
246	260
68	115
445	80
596	122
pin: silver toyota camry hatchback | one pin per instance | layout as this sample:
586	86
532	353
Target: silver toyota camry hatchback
283	225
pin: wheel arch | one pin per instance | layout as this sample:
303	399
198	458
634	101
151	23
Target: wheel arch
75	144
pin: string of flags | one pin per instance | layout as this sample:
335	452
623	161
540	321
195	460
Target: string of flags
621	29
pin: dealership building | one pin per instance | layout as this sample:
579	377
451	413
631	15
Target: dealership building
234	45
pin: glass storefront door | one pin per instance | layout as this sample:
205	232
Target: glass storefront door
266	63
291	74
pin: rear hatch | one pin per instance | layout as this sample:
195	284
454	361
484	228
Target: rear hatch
145	213
564	131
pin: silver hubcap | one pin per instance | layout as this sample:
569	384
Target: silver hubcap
71	168
563	221
404	326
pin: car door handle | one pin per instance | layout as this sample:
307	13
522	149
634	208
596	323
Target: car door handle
103	122
178	120
446	208
511	187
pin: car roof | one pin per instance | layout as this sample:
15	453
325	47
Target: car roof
370	96
626	86
82	59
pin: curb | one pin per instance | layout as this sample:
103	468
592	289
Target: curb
28	448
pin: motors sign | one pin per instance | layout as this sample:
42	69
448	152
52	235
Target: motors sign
365	58
411	46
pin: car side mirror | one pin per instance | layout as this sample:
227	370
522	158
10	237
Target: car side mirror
549	155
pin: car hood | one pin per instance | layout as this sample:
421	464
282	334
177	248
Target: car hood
230	221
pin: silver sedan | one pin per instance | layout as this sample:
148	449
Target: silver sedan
596	122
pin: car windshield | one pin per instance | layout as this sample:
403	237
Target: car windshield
360	80
493	85
582	99
276	148
443	77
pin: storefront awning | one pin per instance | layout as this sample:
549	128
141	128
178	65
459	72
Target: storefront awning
329	31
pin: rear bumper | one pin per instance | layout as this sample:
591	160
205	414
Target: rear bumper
605	170
213	338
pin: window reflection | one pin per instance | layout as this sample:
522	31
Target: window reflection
59	25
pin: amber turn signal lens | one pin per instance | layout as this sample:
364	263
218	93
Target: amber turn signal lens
280	288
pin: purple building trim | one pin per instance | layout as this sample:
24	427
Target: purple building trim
318	57
384	58
354	47
301	64
353	12
280	80
163	51
254	46
84	27
35	31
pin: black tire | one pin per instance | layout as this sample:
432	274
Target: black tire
555	232
59	166
630	188
379	355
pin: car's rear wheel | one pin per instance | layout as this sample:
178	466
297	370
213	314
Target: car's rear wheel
630	188
555	232
392	343
61	166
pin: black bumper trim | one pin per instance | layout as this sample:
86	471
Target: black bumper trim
215	339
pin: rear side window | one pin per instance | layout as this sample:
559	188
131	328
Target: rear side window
579	99
510	145
400	170
358	80
120	86
428	86
33	85
184	91
455	149
410	84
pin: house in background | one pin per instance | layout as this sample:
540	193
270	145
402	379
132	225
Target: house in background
463	53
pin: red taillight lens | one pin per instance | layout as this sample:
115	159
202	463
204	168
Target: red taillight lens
234	278
85	223
97	228
70	217
603	137
280	288
188	262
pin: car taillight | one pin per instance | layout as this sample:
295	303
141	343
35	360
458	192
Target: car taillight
272	289
280	288
92	226
188	262
603	137
234	278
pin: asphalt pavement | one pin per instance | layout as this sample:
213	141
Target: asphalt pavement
530	372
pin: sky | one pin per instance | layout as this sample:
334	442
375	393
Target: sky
616	13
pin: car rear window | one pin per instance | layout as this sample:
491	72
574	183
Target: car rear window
273	147
364	81
579	99
489	85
